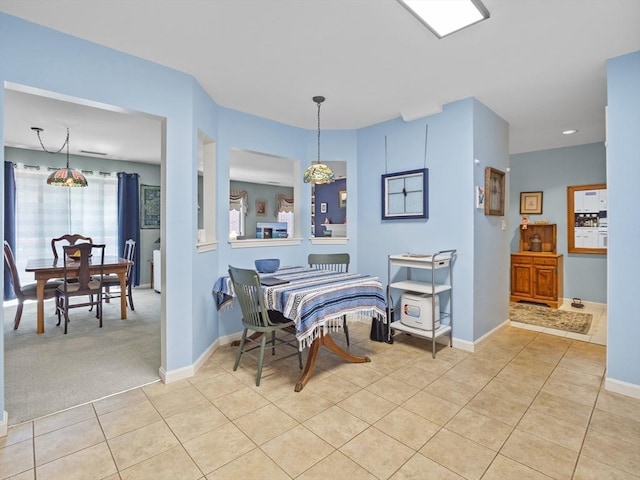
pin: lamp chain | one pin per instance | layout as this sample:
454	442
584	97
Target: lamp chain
66	142
319	132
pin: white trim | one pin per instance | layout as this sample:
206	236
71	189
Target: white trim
329	240
265	242
206	246
190	370
4	424
624	388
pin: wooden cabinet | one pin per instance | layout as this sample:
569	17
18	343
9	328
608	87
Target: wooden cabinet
537	277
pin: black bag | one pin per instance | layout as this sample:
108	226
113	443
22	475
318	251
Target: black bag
380	329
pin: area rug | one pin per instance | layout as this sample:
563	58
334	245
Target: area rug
574	322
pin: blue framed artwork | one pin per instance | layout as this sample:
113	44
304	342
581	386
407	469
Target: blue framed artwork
150	206
405	195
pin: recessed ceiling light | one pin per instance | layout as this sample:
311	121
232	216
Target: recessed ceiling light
444	17
570	132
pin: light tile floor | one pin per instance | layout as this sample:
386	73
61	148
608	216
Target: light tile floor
526	405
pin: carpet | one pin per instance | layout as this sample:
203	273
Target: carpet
575	322
51	372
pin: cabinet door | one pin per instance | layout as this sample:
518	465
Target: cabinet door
521	281
545	283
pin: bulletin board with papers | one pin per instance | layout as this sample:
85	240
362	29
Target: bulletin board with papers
587	223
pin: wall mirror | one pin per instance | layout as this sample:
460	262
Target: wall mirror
329	204
263	199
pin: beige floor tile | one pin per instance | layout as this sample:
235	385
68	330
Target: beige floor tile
589	469
498	408
415	376
473	375
618	404
504	468
93	463
16	458
421	467
562	374
30	475
277	386
377	452
584	395
360	374
336	426
297	450
303	405
367	406
219	386
513	391
156	389
392	389
239	403
169	465
558	407
195	421
521	374
17	434
455	392
480	428
177	400
128	418
336	465
121	400
612	451
332	388
625	429
433	408
254	464
141	444
541	455
583	366
459	454
435	366
265	423
218	447
67	440
407	427
553	429
63	419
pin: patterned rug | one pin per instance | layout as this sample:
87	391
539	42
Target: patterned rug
550	318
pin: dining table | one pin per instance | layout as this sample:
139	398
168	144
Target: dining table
316	300
49	268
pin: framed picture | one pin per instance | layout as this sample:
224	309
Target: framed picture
531	203
149	206
493	191
323	207
342	199
261	208
405	195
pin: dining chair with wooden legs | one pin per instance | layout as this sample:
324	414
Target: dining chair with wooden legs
68	239
110	281
83	282
27	291
256	317
337	262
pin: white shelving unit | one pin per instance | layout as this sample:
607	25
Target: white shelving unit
440	261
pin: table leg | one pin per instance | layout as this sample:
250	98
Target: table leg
328	342
40	296
123	295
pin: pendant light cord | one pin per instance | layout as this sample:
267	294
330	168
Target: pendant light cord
65	144
426	135
319	103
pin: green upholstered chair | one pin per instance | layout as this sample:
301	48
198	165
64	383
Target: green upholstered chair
255	317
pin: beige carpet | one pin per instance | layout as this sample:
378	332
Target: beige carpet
51	372
547	317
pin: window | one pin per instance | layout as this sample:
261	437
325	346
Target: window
44	212
237	214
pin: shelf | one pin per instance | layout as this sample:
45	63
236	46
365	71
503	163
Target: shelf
420	287
425	261
442	330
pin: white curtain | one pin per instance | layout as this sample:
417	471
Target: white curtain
284	211
44	212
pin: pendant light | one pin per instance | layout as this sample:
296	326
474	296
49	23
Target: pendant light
318	173
63	177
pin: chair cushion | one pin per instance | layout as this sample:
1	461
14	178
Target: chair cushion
74	287
277	317
30	290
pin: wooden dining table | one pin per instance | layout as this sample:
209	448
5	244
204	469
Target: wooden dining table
48	268
316	300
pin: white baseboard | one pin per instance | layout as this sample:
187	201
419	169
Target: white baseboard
4	424
623	388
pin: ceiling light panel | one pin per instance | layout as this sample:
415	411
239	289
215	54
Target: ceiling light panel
444	17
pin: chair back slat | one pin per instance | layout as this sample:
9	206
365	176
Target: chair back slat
338	262
10	263
129	254
70	239
84	254
246	284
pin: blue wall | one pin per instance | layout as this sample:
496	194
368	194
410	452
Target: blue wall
623	174
551	171
329	194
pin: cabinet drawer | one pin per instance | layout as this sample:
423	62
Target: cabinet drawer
545	261
521	259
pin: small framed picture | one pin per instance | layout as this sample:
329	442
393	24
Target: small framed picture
530	203
261	208
323	207
342	199
494	192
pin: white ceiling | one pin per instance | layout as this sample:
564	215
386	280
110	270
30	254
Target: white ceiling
540	65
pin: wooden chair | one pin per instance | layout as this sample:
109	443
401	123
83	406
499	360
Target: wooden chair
68	239
114	281
24	292
83	282
255	317
338	262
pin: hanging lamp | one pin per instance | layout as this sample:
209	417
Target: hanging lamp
318	173
63	177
